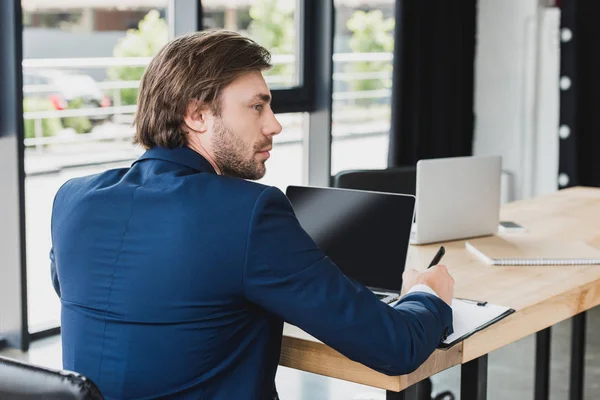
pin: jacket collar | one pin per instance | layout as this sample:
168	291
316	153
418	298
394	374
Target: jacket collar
183	156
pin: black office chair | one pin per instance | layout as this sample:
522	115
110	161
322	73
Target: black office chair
392	180
22	381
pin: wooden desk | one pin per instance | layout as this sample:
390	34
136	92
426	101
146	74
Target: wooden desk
541	296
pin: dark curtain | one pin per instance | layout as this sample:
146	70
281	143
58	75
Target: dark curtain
432	92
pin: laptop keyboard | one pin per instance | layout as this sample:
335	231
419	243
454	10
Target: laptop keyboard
388	297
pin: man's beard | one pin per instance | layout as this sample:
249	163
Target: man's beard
229	153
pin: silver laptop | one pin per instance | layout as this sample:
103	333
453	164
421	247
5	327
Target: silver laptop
365	233
457	198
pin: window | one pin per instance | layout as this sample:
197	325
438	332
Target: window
286	165
283	27
271	23
82	65
361	111
81	70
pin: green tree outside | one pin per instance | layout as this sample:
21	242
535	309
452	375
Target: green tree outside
370	33
78	124
273	27
146	41
50	126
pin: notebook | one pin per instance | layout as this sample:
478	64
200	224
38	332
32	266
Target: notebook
523	249
472	316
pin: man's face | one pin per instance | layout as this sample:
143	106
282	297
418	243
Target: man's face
242	136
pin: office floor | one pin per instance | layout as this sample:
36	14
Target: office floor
510	370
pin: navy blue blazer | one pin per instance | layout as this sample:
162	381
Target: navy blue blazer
175	281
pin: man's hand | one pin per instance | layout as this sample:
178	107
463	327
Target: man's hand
437	278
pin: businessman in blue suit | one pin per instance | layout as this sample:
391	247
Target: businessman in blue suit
176	275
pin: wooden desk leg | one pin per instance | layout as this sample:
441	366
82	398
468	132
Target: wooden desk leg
473	379
542	365
577	357
410	393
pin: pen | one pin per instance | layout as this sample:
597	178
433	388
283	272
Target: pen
438	257
477	302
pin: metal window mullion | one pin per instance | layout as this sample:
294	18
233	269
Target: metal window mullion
183	17
317	141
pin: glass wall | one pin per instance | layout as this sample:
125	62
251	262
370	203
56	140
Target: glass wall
271	23
286	165
82	64
363	52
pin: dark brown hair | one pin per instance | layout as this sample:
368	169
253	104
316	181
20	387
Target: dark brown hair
193	67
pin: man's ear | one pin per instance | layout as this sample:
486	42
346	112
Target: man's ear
196	117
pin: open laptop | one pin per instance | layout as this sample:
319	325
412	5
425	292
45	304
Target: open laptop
366	234
457	198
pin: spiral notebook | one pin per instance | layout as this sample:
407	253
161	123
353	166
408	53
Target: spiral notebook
523	249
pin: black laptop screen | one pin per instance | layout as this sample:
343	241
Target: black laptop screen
366	234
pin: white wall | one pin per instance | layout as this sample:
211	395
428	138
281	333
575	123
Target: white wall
516	93
10	282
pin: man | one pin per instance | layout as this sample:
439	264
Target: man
175	275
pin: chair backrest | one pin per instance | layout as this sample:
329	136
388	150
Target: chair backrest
392	180
22	381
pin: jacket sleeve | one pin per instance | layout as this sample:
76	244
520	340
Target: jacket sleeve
286	273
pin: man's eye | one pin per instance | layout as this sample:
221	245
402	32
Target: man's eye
258	107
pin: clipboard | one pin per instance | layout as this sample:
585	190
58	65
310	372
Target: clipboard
470	317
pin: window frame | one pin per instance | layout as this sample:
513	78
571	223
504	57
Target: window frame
299	98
